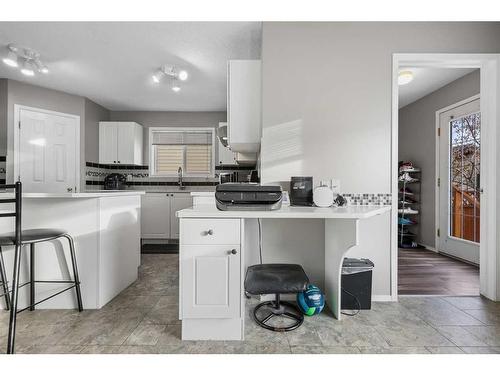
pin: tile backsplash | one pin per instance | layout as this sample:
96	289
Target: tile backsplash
2	169
367	199
138	176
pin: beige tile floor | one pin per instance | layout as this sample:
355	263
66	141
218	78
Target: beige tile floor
143	319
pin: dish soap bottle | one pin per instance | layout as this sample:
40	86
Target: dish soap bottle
323	195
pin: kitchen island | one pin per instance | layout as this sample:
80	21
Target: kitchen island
106	228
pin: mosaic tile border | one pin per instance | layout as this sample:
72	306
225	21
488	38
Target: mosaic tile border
368	199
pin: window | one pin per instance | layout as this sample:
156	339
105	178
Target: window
192	149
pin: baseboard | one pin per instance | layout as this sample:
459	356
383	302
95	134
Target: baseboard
292	297
382	298
427	247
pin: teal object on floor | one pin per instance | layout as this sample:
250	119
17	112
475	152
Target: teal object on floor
311	301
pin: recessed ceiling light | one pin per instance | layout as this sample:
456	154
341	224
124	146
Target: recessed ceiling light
405	77
27	69
183	75
41	67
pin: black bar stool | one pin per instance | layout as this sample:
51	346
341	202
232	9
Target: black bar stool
30	237
276	279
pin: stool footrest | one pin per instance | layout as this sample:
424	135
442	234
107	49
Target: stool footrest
46	298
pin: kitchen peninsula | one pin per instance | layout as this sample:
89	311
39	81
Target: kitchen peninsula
106	228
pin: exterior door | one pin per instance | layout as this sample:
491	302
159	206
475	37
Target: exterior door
459	181
47	153
210	281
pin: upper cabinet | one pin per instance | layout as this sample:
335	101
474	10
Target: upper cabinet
244	105
120	143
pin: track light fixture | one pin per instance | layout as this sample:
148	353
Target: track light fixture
24	58
171	72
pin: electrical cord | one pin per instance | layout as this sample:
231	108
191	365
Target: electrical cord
357	302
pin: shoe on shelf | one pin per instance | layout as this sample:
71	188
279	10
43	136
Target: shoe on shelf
406	232
405	177
407	201
407	211
406	192
406	221
407	166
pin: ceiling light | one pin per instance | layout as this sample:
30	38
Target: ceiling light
175	86
183	75
405	77
27	69
175	76
41	67
27	59
10	59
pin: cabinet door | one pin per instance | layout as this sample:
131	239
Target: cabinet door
108	143
210	280
155	216
244	105
126	142
179	202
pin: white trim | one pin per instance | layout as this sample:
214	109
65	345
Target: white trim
382	298
437	219
16	148
173	129
489	65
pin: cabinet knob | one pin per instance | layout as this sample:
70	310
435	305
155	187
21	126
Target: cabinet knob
233	252
208	232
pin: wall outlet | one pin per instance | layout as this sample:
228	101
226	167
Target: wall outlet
335	185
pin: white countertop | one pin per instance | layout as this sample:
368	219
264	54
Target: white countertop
87	194
349	212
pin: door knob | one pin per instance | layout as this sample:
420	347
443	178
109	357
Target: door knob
233	252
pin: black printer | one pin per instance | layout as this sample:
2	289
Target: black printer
248	196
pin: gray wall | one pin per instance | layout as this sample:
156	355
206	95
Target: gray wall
3	117
417	142
93	114
331	82
39	97
170	119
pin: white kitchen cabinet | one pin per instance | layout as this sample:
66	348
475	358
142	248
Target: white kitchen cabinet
155	216
244	105
158	214
178	201
120	143
211	281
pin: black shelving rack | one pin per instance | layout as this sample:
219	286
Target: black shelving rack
409	210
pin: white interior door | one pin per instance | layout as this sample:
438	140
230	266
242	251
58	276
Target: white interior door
459	174
47	152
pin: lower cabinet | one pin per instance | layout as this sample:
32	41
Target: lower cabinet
158	220
211	281
211	303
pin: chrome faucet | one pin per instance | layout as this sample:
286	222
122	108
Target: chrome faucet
179	173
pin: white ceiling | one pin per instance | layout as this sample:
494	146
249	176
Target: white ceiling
427	80
112	63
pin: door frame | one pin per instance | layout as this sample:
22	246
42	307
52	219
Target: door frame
489	65
16	146
438	166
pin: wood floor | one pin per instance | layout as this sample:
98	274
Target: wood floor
424	272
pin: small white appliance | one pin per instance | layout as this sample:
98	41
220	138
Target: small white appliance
323	195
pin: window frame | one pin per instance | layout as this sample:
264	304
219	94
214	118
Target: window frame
152	165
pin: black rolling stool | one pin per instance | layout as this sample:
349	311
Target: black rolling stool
30	237
276	279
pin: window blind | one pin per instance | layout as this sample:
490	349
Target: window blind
192	150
